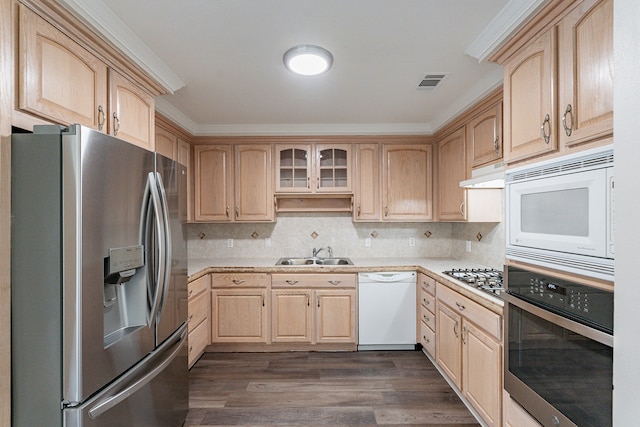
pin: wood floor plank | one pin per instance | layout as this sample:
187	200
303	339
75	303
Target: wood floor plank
307	389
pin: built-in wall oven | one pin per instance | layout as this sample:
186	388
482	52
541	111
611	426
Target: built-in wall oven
558	355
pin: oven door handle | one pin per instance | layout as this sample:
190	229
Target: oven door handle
578	328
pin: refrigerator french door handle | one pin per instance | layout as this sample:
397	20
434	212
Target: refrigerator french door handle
167	241
111	401
158	215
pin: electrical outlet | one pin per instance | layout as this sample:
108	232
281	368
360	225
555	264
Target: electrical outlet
267	242
229	243
468	245
367	242
412	241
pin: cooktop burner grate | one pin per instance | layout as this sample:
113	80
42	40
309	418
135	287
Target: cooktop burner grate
486	279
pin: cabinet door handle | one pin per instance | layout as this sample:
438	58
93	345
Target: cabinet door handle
425	301
567	129
335	282
308	301
460	306
238	281
102	117
425	317
424	337
386	211
462	209
190	349
116	129
543	129
263	300
237	211
358	209
308	182
291	282
318	299
455	329
464	331
496	146
190	317
190	293
227	211
318	183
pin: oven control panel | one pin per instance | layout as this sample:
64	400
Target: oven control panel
576	300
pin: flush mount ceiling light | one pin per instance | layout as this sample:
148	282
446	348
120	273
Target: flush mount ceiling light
307	60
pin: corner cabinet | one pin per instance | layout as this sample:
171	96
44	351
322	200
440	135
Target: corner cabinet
79	87
469	351
240	308
452	168
313	168
407	181
233	183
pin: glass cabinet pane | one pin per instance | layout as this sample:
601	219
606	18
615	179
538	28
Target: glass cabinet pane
293	169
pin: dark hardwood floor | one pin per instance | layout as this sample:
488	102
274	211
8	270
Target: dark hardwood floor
307	389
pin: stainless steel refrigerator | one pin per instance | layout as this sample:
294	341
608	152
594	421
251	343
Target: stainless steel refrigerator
99	289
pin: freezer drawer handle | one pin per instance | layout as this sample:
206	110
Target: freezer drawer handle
112	401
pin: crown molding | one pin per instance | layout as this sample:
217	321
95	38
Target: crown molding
316	129
502	26
98	16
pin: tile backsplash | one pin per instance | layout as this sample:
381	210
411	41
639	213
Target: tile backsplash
298	234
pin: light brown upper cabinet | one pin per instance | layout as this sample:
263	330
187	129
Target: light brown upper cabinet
131	112
529	100
366	182
313	168
166	143
484	137
407	177
59	80
570	64
233	183
64	83
253	183
585	40
451	170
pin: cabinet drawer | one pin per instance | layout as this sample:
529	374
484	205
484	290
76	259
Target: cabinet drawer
428	318
239	280
428	339
199	285
198	309
427	283
313	280
198	339
487	320
427	300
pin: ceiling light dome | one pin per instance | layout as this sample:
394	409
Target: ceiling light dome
308	60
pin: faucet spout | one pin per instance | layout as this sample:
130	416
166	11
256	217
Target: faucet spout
316	251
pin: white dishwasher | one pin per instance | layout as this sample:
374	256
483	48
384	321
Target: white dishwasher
387	311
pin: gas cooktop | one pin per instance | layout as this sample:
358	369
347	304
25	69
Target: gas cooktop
488	280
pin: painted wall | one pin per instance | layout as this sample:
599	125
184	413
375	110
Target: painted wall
626	366
293	235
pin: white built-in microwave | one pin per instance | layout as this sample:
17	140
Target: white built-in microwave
560	213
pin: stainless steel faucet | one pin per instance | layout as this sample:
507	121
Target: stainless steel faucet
330	250
316	252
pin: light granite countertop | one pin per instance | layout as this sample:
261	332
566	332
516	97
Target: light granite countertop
433	267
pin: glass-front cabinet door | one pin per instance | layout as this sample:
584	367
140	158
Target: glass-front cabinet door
293	168
333	173
313	168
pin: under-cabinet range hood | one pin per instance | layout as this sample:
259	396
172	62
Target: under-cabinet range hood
491	176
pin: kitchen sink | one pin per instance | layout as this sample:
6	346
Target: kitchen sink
314	261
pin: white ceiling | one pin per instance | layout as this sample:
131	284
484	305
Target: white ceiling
222	59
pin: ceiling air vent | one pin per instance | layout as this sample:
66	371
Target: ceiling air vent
431	81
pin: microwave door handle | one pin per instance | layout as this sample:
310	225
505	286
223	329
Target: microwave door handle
158	218
578	328
166	236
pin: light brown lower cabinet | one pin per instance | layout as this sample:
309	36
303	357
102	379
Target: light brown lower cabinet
426	309
198	317
515	415
313	308
239	308
469	351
